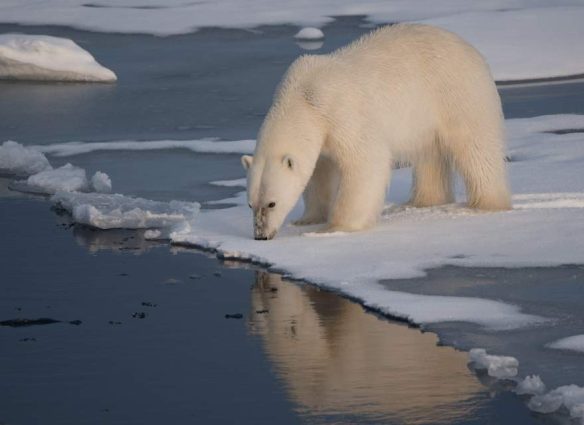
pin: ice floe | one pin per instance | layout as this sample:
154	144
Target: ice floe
521	39
309	33
17	159
66	178
569	396
101	182
42	57
115	211
500	367
530	385
572	343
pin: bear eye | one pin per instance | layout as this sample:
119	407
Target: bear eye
249	204
271	205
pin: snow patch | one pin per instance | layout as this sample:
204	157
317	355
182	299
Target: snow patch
42	57
309	33
500	367
115	211
573	343
530	385
21	160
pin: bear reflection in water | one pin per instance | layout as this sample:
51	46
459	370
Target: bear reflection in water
336	359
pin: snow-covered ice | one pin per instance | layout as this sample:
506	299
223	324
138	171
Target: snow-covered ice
521	39
530	385
115	211
500	367
526	43
42	57
17	159
309	33
199	146
572	343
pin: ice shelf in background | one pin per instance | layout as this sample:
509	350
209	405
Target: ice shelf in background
46	58
521	39
199	146
115	211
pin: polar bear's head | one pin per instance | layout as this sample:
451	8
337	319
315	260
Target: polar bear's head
274	185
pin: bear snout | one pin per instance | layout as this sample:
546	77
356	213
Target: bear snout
259	225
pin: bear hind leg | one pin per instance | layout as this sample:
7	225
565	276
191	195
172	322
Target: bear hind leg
481	164
432	182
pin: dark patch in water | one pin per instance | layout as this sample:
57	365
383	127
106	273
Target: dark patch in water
18	323
139	315
566	131
234	316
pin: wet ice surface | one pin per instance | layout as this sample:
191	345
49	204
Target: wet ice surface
551	292
154	346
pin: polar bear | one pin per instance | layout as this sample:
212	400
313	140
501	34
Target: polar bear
406	93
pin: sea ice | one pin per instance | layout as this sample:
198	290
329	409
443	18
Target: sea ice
101	182
573	343
199	146
21	160
500	367
530	385
521	39
113	211
309	33
570	396
67	178
41	57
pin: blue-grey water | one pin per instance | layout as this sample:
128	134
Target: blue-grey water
297	355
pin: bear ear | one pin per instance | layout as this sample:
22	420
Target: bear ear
288	162
246	161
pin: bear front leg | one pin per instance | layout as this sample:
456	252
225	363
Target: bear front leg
361	194
319	193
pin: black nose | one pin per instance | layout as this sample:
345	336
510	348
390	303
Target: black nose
261	238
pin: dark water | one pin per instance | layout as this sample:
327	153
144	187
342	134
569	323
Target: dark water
154	346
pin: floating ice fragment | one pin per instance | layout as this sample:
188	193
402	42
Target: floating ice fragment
41	57
20	160
571	396
67	178
112	211
309	33
573	343
500	367
531	385
152	234
101	182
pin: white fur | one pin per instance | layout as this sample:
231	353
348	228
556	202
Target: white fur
405	93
